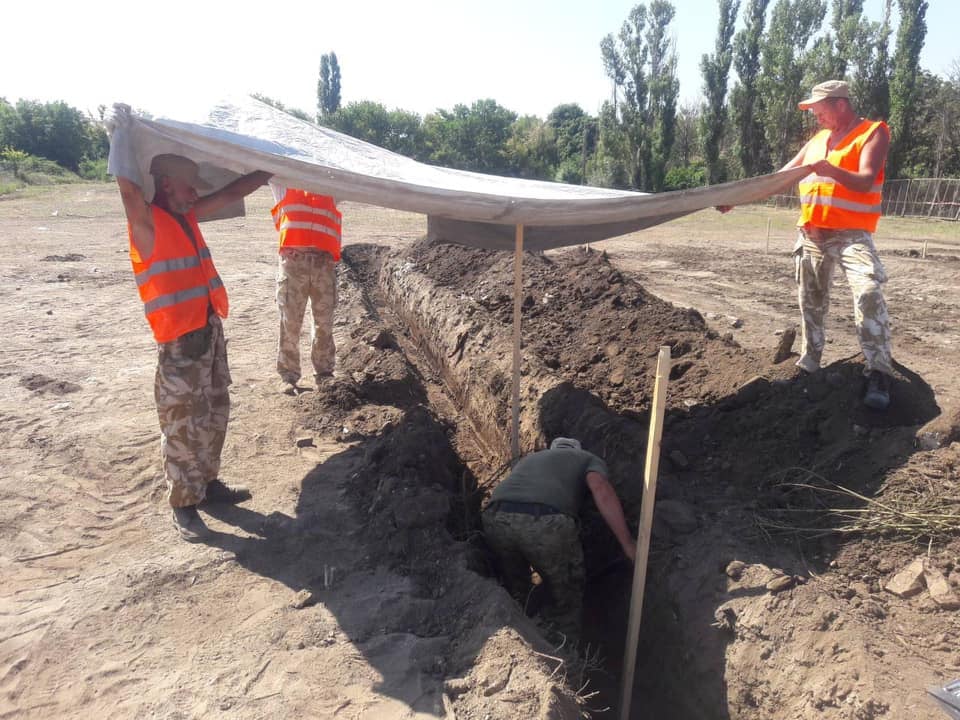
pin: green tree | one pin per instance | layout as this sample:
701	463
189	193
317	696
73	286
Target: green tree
470	138
904	91
716	73
934	150
531	150
328	86
788	74
612	164
53	130
870	67
745	101
575	137
845	38
946	140
688	144
405	134
300	114
365	120
664	89
641	62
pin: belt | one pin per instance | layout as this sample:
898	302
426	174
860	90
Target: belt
821	234
524	508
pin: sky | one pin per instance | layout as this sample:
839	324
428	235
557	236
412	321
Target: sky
417	55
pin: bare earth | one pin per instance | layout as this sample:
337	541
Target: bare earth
354	584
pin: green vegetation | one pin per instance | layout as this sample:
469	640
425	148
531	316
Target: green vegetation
748	123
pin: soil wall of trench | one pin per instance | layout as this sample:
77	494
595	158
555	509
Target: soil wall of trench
732	628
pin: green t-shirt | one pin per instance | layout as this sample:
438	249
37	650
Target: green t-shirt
553	477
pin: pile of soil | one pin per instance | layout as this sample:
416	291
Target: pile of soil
753	454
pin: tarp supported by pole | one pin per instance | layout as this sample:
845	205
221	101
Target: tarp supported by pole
517	310
235	136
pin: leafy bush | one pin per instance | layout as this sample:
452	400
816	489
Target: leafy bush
18	169
94	170
688	176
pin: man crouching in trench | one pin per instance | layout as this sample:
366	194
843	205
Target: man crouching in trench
532	520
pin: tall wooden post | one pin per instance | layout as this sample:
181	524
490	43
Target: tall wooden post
517	306
646	523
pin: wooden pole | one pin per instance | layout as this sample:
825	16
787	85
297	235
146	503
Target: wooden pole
768	237
517	306
646	523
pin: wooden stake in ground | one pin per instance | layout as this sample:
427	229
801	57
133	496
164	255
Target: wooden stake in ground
646	523
517	305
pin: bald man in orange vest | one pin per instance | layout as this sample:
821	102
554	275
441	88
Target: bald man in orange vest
184	301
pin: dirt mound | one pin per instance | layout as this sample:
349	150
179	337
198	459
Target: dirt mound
754	454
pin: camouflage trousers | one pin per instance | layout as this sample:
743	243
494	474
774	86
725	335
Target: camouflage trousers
193	403
302	276
816	260
550	544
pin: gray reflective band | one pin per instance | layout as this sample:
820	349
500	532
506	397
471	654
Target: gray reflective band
820	179
216	283
288	225
172	265
164	301
313	210
827	201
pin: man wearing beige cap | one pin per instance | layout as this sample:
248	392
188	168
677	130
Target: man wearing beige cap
184	301
839	211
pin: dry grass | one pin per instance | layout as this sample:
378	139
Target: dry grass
910	506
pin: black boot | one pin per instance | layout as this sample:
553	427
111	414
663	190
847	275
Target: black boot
877	396
189	524
219	492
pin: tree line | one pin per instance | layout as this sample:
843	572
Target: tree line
747	123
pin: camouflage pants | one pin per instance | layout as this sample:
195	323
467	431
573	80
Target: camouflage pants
302	276
550	544
854	252
193	403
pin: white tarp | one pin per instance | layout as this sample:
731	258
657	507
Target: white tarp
240	135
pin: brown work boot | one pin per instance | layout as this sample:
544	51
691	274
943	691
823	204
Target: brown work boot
219	492
189	524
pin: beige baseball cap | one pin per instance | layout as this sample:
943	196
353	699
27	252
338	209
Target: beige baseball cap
562	442
177	166
828	89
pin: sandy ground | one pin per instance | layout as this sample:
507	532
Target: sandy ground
103	611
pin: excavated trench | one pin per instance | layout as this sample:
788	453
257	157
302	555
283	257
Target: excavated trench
433	351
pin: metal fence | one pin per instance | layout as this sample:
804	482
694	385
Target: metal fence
917	197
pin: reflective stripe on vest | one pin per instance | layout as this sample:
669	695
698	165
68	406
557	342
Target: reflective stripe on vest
825	203
179	283
308	220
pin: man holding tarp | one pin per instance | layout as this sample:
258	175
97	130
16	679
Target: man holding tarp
532	520
839	211
184	301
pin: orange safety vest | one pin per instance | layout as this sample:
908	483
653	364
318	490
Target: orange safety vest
179	281
308	220
825	203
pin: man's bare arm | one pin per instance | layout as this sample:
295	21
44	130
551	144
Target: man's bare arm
609	506
138	215
798	159
208	205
